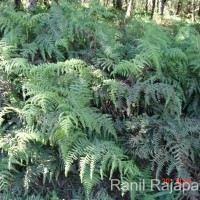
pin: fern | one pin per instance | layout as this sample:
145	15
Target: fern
124	104
160	94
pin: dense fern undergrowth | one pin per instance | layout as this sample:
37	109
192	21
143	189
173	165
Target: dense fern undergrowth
86	98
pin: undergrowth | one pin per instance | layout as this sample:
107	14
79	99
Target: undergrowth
86	98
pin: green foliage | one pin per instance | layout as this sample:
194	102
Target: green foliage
86	97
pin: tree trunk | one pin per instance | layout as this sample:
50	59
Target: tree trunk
157	5
119	4
146	6
178	7
129	9
153	8
107	2
199	10
114	4
193	10
162	5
